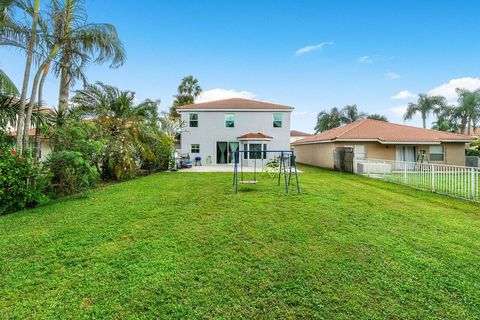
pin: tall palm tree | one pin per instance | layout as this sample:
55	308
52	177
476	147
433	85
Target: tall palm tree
81	43
469	109
10	31
425	106
188	90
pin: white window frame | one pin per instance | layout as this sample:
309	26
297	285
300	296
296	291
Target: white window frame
436	153
355	151
197	147
263	148
281	120
225	120
190	120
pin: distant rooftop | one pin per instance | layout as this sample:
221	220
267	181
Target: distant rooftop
384	132
296	133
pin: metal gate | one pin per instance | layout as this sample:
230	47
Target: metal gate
343	159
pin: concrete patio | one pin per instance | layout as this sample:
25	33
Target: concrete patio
221	168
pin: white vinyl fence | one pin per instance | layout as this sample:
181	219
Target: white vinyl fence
455	181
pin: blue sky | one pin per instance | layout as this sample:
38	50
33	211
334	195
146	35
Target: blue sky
362	52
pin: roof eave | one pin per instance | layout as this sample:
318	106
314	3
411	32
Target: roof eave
235	110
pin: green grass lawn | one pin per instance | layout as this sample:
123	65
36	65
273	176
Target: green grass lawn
183	245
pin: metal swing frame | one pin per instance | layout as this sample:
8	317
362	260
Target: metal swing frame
282	169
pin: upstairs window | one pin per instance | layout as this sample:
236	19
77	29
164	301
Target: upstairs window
437	153
195	148
193	120
229	120
277	120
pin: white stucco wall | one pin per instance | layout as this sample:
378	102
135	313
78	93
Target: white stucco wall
211	129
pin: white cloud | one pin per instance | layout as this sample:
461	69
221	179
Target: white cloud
400	110
405	94
315	47
448	89
364	59
219	94
393	76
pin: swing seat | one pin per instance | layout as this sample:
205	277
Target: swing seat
248	182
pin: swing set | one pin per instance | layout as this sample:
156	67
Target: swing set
284	164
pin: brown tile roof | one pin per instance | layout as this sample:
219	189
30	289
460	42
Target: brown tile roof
31	133
255	135
235	104
384	132
296	133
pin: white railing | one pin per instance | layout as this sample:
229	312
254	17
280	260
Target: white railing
455	181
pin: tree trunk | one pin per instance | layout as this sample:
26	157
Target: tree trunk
29	111
469	126
64	89
26	78
31	103
424	119
39	106
463	124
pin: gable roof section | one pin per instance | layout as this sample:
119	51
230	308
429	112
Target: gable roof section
255	135
296	133
384	132
234	104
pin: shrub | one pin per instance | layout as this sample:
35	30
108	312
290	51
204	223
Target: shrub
158	151
71	172
22	182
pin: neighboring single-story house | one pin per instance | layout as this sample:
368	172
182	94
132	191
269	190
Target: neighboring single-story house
373	139
296	135
45	147
215	130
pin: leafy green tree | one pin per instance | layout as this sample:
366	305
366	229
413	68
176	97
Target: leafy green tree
425	105
448	119
329	120
188	90
376	116
125	127
469	109
351	114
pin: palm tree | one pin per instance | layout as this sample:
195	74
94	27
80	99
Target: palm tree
188	90
351	114
376	116
469	109
81	43
7	87
48	45
425	105
121	123
10	31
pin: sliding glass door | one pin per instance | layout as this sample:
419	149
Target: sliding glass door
226	151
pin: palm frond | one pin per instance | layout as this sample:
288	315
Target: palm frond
7	87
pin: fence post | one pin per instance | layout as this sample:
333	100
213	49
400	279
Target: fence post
405	172
433	178
474	189
368	168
